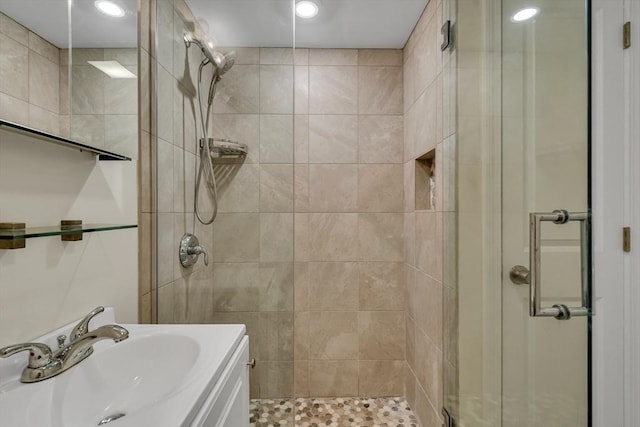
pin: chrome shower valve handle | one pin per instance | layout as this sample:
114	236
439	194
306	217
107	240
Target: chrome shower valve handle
190	249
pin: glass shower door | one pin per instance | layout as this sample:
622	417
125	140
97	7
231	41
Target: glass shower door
545	212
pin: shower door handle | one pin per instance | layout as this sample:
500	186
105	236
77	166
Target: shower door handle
559	311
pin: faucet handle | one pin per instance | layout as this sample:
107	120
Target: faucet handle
39	354
83	326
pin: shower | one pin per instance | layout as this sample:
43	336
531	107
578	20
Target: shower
221	63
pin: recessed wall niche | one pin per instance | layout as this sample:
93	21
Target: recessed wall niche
425	172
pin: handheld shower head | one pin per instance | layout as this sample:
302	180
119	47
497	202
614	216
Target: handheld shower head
190	38
221	62
229	60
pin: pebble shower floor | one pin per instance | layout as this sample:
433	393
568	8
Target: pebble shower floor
336	412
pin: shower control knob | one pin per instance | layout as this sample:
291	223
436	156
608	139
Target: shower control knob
190	250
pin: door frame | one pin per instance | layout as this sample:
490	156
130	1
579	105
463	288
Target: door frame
616	203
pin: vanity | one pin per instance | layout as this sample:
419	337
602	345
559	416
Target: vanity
161	375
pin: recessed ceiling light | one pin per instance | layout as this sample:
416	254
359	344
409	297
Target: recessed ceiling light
113	69
525	14
306	9
109	8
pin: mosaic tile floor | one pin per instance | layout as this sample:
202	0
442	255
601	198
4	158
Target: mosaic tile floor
338	412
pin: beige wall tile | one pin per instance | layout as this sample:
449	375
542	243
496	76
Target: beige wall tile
276	138
427	51
121	95
167	258
238	187
301	92
301	138
164	33
333	335
380	57
276	237
236	238
278	335
409	238
165	164
380	237
301	285
44	83
301	188
333	139
301	237
408	82
45	120
425	138
333	188
428	307
301	378
276	286
410	386
424	409
301	56
380	139
14	109
380	378
380	188
277	380
243	128
333	57
302	336
236	286
410	344
239	91
87	128
380	90
333	90
121	134
14	66
381	286
42	47
333	378
276	188
12	29
276	89
245	55
429	368
276	55
331	236
381	335
333	286
429	243
165	104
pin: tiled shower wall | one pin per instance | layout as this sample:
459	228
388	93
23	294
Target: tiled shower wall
349	282
429	129
319	206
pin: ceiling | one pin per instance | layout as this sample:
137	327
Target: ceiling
339	23
90	28
237	23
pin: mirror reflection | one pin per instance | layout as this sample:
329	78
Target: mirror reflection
70	69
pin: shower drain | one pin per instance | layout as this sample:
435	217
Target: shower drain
107	420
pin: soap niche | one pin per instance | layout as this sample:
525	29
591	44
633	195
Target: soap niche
425	172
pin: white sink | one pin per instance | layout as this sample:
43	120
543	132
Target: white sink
157	377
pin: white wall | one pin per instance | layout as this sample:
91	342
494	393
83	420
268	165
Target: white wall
51	282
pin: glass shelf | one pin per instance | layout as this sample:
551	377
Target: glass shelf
102	154
56	230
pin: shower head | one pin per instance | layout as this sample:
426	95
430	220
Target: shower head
227	63
222	62
190	38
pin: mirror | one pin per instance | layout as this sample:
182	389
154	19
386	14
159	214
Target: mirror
70	69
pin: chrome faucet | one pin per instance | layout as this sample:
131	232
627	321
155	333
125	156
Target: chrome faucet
44	363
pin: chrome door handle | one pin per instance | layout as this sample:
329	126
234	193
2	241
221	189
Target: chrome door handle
559	311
